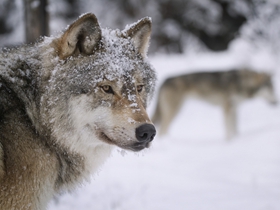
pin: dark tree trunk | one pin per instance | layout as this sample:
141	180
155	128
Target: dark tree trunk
36	20
5	11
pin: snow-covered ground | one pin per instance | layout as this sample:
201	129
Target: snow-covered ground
194	167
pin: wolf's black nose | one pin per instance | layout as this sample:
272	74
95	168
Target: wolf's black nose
145	133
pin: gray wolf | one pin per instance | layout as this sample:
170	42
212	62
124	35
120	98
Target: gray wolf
65	102
225	89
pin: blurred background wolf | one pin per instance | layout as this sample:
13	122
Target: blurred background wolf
226	89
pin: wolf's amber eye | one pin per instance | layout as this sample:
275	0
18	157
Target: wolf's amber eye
139	88
107	89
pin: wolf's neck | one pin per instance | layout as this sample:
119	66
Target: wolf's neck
17	80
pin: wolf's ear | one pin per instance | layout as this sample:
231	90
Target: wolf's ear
81	37
140	33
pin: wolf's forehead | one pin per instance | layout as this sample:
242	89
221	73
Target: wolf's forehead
126	78
118	58
116	45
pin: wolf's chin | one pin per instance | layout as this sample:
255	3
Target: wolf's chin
136	147
139	146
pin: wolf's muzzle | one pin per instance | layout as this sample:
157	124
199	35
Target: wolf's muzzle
145	133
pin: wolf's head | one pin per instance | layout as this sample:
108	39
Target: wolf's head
266	89
260	85
99	85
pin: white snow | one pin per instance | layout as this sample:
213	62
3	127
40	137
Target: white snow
193	167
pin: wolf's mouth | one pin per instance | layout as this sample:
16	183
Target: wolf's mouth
105	138
138	146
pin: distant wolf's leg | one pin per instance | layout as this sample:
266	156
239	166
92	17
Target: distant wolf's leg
230	120
170	103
